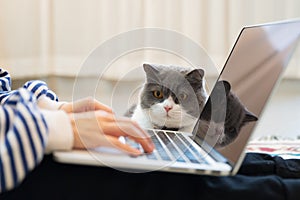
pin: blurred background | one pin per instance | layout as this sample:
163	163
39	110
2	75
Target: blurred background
50	39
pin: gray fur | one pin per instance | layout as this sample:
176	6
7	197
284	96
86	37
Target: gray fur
183	85
221	118
174	81
223	114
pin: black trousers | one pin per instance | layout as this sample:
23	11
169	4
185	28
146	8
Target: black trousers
260	177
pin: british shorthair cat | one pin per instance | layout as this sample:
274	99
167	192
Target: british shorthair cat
174	98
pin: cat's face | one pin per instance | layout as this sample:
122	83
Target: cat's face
172	98
223	116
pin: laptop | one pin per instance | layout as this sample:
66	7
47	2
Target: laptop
253	68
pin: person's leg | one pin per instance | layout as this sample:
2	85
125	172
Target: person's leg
256	164
53	180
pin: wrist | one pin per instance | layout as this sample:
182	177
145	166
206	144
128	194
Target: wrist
48	104
60	131
77	142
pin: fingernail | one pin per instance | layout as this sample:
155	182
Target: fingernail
151	146
102	113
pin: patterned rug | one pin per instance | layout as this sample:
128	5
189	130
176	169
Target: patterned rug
287	148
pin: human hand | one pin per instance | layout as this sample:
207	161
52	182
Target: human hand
84	105
101	128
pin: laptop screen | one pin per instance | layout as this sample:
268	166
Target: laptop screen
252	69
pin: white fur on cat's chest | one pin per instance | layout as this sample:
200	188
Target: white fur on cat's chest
141	118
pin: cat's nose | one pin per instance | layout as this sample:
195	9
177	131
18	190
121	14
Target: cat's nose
167	108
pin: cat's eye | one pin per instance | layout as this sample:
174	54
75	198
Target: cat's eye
158	94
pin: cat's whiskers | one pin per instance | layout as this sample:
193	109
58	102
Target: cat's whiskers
175	113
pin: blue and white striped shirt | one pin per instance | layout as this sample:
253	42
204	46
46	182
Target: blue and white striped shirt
23	129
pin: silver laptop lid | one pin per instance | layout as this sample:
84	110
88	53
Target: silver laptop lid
254	66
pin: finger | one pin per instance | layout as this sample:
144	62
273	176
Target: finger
92	140
146	143
115	142
120	127
123	126
126	120
67	107
141	133
90	104
101	106
128	129
136	125
103	116
96	105
110	117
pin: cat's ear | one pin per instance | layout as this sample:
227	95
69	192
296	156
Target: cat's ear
249	117
196	74
150	68
151	72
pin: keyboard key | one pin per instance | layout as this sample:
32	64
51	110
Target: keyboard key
151	156
170	147
183	147
160	149
133	143
201	157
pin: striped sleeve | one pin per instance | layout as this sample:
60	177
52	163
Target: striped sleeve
5	85
23	136
5	81
40	88
28	128
47	99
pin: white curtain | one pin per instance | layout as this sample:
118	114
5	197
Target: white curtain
42	37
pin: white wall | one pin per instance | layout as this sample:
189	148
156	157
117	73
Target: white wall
40	37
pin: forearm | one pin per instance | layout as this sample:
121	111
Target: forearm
60	135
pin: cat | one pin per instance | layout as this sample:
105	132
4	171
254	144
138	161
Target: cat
222	117
165	102
172	98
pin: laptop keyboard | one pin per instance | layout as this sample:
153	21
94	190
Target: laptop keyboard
170	146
